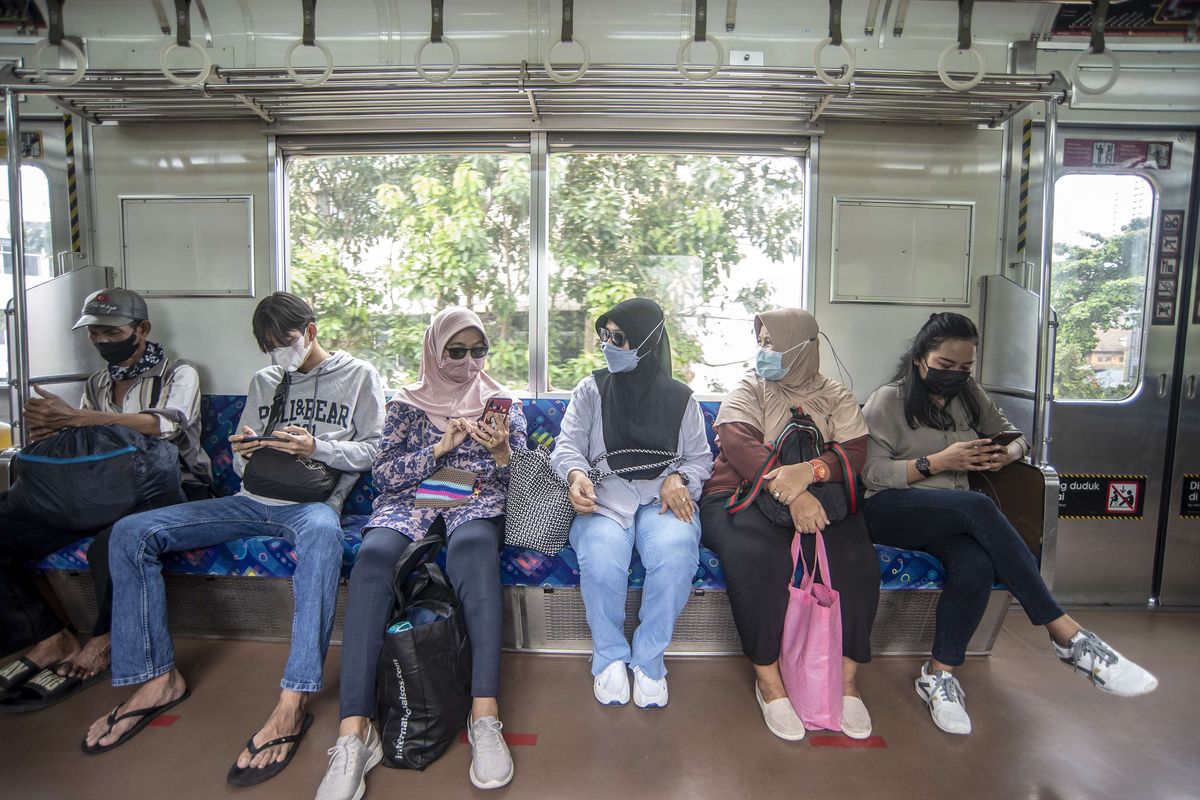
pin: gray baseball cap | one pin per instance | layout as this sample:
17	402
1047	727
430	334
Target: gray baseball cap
113	307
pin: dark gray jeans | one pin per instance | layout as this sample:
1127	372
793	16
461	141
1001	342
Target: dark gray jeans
473	567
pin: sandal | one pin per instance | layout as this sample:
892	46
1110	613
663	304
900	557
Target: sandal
16	674
252	775
46	689
147	716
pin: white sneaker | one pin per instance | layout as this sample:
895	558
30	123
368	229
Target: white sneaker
856	721
1108	669
350	759
611	686
647	692
491	763
780	717
946	699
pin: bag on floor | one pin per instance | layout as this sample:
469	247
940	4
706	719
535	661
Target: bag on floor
424	678
810	657
85	479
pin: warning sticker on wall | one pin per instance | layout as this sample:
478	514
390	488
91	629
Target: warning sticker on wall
1101	496
1189	507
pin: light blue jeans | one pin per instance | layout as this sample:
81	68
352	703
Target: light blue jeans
141	643
670	551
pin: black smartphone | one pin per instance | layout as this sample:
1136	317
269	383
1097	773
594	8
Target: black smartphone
248	439
1005	438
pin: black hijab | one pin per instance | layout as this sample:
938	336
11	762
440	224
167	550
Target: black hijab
644	408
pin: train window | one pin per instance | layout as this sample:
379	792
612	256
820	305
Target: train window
39	246
713	238
1098	283
378	243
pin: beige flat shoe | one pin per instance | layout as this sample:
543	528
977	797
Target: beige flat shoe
780	717
856	722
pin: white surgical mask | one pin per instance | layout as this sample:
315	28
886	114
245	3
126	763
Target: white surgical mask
291	356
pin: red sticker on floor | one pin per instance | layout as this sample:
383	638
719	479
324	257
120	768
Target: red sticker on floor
513	739
871	742
163	721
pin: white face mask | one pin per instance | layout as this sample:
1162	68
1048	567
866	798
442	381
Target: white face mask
291	356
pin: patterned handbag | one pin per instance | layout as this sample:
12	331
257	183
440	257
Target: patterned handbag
447	488
539	512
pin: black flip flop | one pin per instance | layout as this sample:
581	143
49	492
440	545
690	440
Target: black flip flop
46	689
147	716
251	775
16	674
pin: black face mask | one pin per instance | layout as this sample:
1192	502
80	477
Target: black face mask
945	382
116	352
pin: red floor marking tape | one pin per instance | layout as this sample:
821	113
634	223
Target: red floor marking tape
163	721
872	742
513	739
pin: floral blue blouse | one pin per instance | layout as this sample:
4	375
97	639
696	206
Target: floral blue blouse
405	459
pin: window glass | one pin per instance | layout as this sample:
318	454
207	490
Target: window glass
39	246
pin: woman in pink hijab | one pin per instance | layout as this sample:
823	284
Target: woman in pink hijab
440	456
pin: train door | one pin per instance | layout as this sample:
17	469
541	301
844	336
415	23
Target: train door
1122	229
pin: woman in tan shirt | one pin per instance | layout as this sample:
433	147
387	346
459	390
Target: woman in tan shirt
929	429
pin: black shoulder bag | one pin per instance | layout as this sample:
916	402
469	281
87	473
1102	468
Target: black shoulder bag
284	476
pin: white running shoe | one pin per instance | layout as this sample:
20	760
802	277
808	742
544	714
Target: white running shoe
350	759
780	717
856	721
946	699
611	686
1108	669
647	692
491	763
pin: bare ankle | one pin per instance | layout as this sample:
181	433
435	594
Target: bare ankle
359	726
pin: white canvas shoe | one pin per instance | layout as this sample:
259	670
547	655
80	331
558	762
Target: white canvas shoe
611	686
780	717
856	721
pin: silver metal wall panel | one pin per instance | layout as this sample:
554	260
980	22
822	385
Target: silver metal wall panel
1009	334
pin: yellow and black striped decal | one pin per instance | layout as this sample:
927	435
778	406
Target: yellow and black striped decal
1023	200
72	182
1102	497
1189	504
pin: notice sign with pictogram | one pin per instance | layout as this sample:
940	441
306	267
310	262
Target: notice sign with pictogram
1101	496
1166	270
1189	507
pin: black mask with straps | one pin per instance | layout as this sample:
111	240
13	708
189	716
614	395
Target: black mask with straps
945	382
116	352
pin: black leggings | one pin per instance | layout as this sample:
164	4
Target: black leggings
756	557
473	567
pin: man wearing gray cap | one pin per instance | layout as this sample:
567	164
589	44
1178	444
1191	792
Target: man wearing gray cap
143	390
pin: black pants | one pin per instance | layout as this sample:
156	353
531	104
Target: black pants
473	568
756	557
976	544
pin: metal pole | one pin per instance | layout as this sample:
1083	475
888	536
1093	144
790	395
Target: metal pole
1043	388
20	341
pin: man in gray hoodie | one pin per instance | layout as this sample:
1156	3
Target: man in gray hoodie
311	424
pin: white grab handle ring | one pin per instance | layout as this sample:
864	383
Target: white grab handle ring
567	77
66	80
681	54
198	78
1112	79
438	77
847	74
960	86
291	69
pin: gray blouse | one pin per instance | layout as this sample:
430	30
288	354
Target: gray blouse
893	443
581	438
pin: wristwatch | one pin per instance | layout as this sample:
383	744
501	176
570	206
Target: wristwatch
923	467
682	478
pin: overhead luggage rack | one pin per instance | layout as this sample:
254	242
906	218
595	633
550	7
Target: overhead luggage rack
519	95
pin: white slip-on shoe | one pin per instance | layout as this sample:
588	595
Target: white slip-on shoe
648	692
946	699
350	759
780	717
491	763
1108	669
611	686
856	721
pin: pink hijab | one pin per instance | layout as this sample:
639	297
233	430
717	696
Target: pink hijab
440	395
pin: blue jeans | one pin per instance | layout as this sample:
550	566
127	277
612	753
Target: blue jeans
670	551
141	643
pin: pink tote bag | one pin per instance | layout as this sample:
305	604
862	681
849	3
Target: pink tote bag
810	656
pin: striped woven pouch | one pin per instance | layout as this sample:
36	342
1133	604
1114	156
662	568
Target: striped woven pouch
447	488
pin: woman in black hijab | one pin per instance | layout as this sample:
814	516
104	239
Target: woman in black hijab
634	404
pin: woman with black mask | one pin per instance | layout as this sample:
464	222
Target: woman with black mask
927	430
634	404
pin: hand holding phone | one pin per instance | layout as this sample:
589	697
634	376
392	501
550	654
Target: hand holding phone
497	408
1005	438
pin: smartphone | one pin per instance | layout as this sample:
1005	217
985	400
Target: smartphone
248	439
496	407
1006	438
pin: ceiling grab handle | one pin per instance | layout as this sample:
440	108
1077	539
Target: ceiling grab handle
55	38
700	34
1099	15
963	45
183	38
308	39
568	36
436	36
834	38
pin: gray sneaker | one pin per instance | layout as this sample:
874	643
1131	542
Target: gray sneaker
349	762
491	763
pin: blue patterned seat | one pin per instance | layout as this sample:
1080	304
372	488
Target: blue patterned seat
265	556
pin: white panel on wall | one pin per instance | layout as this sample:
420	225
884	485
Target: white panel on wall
901	251
188	246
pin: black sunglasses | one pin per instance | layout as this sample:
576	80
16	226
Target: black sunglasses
459	353
616	337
